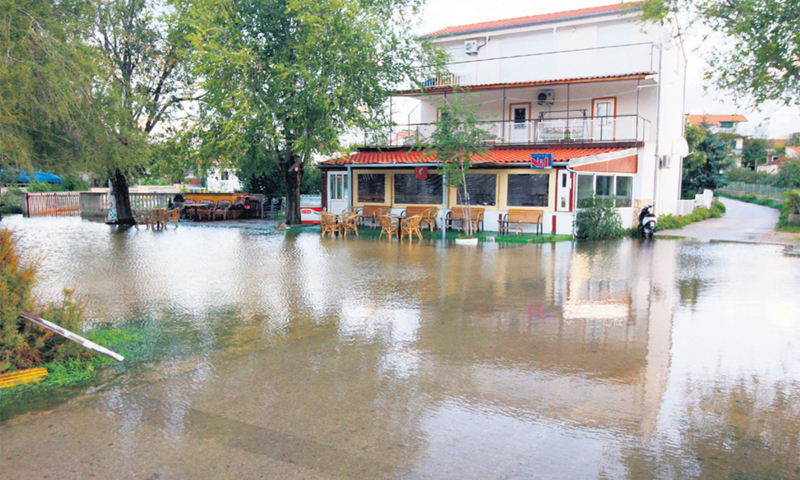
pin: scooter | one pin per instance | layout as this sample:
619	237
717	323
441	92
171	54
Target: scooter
647	222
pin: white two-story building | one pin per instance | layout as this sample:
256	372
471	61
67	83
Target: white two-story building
593	87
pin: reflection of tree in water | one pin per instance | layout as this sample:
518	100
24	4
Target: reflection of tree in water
690	289
740	429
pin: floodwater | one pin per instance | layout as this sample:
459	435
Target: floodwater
291	356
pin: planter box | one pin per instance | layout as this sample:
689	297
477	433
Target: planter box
467	241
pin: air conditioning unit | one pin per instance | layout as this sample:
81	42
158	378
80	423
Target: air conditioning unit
471	47
546	97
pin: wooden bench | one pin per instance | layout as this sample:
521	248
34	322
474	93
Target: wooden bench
519	217
458	215
369	214
428	215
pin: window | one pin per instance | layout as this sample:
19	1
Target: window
725	124
624	192
224	175
371	188
528	190
605	186
338	186
481	188
408	189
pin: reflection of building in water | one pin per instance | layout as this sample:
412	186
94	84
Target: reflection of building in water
583	335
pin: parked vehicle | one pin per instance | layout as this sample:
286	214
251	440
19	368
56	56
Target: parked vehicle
647	222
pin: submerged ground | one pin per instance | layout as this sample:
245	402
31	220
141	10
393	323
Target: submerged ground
290	356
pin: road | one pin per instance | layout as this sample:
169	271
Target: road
742	222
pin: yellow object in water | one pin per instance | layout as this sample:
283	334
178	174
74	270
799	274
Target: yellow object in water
22	376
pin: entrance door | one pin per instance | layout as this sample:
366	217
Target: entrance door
604	111
563	191
338	194
520	124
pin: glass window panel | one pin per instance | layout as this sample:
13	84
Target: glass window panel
481	188
332	187
372	188
604	185
528	190
624	191
408	189
585	189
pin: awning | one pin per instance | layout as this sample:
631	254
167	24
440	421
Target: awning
619	161
500	157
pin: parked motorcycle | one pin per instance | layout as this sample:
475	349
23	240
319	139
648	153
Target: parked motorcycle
647	222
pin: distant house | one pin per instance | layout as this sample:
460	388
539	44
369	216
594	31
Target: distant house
591	87
223	181
724	124
792	152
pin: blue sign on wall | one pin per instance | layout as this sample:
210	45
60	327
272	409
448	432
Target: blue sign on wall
541	160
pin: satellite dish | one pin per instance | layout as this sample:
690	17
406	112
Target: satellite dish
680	147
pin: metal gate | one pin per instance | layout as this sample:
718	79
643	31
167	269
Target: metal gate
61	204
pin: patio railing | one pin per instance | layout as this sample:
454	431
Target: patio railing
594	130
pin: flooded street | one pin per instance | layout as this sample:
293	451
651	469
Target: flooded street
291	356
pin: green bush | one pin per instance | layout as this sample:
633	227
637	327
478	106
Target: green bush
44	187
11	201
739	174
676	222
597	219
23	344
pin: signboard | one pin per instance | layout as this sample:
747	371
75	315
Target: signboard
541	160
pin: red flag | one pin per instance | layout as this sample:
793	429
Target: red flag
421	173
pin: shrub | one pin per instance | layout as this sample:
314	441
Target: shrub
22	344
676	222
598	219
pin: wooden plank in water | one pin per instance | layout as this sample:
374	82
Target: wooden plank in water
22	376
71	336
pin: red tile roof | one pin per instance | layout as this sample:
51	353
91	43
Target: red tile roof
491	157
715	119
533	19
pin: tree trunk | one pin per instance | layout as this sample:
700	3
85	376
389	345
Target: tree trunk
468	211
123	200
292	173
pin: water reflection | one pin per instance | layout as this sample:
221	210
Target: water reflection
293	354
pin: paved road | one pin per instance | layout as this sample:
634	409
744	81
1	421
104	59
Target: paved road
742	222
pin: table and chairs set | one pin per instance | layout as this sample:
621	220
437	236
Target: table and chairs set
244	206
408	223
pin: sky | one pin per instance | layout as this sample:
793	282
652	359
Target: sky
772	121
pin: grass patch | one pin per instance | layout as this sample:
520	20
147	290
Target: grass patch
676	222
451	235
68	377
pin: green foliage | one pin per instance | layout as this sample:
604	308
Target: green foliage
44	187
11	201
22	344
289	77
74	183
788	175
751	198
704	167
676	222
794	140
597	219
739	174
458	136
754	152
762	59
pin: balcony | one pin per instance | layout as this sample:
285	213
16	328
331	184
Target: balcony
575	131
598	62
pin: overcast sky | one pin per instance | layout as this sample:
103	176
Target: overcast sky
772	121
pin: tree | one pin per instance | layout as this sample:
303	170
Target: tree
762	60
45	81
794	140
288	77
459	136
707	161
754	152
145	84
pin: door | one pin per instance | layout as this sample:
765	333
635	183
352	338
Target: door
520	124
604	111
563	191
338	192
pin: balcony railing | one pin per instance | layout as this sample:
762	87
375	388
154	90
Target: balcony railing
591	130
